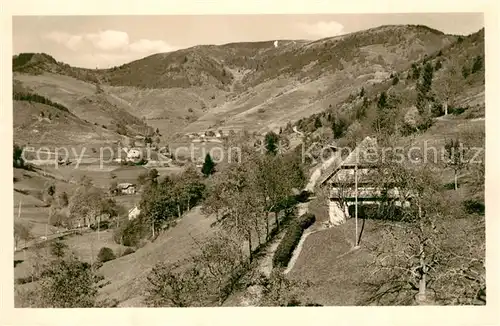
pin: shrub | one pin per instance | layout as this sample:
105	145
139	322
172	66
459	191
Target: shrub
103	225
472	206
105	254
130	233
292	236
395	80
128	251
457	111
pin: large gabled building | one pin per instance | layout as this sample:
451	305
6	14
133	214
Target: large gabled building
356	179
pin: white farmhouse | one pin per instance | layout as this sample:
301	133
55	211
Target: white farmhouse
133	213
133	154
340	181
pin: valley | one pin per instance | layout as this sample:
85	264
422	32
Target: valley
139	165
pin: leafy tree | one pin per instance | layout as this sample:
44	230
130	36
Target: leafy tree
415	75
339	127
438	65
317	122
192	187
362	92
465	72
113	188
165	200
384	122
131	232
18	156
158	204
208	167
271	142
477	65
423	98
68	283
153	175
361	110
87	204
147	178
395	80
105	254
58	248
22	231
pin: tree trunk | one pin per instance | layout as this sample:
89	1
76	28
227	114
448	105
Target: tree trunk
276	220
456	180
250	246
422	285
153	228
188	203
179	210
257	230
445	108
267	226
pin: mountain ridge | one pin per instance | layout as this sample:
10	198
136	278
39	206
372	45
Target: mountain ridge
211	86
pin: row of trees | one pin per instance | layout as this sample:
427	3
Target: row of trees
245	195
242	196
162	202
169	198
32	97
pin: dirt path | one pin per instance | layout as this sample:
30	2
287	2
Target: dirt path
266	262
305	207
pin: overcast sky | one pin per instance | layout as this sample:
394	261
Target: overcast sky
105	41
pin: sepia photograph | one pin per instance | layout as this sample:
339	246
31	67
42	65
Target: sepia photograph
246	160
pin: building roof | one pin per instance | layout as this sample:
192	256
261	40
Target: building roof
362	155
125	185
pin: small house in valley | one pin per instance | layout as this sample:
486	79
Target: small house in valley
133	213
126	188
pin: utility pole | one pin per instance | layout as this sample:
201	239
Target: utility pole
19	211
356	203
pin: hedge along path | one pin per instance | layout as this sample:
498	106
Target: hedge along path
265	265
298	248
304	208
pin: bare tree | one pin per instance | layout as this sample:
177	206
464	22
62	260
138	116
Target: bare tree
414	259
234	200
205	279
421	252
455	151
22	231
172	285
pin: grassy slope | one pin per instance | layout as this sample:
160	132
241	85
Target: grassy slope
81	99
60	129
338	274
128	274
